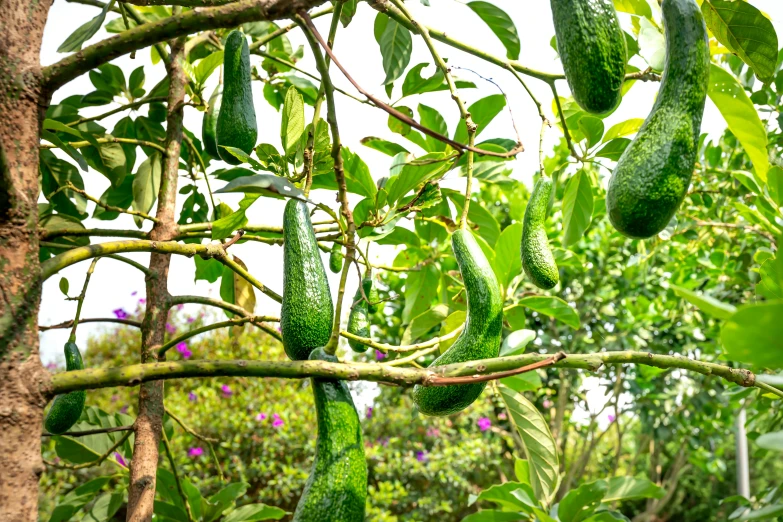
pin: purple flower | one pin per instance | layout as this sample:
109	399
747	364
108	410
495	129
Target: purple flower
379	356
120	460
115	398
191	319
51	366
611	418
547	404
484	423
170	328
226	390
134	293
142	301
182	348
195	452
192	397
277	423
421	456
180	306
383	441
369	412
119	313
124	409
502	415
261	417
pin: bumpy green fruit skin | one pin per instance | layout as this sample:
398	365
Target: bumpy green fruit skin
481	337
592	48
336	258
371	291
653	174
236	123
307	310
537	258
209	123
66	409
359	322
336	490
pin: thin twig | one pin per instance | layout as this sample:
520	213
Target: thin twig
206	328
207	440
127	106
88	432
69	323
70	186
441	381
111	139
170	456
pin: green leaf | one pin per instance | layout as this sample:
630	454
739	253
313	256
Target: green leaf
577	208
746	32
775	184
415	83
387	147
500	24
523	382
580	503
553	307
206	66
771	284
630	488
508	263
253	512
765	513
146	185
488	226
64	286
292	123
168	511
222	500
208	269
483	112
510	496
420	289
432	119
428	167
752	335
705	303
634	7
613	149
235	289
771	441
396	46
592	128
225	226
493	515
741	116
74	42
265	184
516	342
357	171
424	322
452	322
540	447
104	508
624	128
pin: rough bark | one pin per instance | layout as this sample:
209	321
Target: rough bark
22	377
149	422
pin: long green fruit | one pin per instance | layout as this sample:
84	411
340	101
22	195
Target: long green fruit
66	409
336	258
336	490
359	321
236	124
592	48
537	258
307	310
653	174
481	337
209	123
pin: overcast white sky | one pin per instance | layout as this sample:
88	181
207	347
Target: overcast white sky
113	283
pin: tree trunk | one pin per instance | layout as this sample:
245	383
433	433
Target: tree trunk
149	422
22	397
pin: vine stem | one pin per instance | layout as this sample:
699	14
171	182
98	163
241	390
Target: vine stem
69	323
80	300
170	456
206	328
136	374
314	38
470	125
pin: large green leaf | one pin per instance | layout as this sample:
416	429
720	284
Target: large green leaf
746	32
706	303
516	342
253	512
396	46
741	116
428	167
356	170
424	322
494	515
624	128
483	112
292	122
771	441
577	208
580	503
508	263
86	31
540	446
420	289
264	184
146	185
432	119
553	307
630	488
510	496
501	24
752	335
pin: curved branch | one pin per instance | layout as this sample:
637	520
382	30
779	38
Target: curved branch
208	327
127	106
134	375
69	323
112	139
44	234
193	21
383	347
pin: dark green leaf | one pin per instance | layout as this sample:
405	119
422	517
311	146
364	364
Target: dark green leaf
613	149
396	46
75	41
483	112
553	307
146	185
253	512
500	24
577	208
387	147
752	335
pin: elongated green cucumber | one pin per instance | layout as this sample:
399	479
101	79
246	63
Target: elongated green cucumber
236	124
371	291
307	310
653	174
66	409
591	45
336	258
359	321
209	123
537	258
336	490
481	337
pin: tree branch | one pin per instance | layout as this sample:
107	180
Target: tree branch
201	19
84	433
206	328
134	375
112	139
69	323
